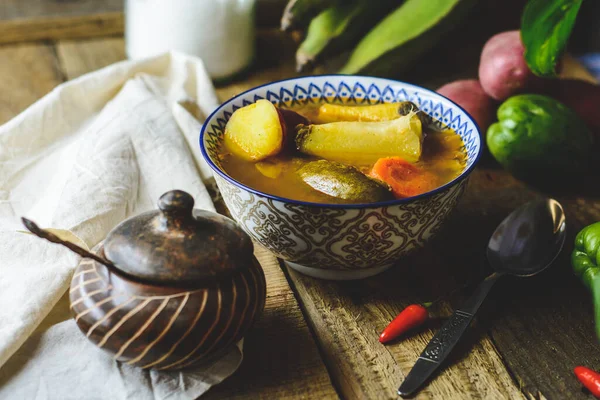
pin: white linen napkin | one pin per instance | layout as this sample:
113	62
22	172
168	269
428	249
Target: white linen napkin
91	153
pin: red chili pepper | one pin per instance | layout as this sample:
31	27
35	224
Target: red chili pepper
590	379
411	317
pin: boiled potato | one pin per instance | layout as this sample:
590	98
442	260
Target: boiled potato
255	132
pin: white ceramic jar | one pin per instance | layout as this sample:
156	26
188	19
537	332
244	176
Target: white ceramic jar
221	32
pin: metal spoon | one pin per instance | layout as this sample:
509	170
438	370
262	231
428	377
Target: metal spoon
524	244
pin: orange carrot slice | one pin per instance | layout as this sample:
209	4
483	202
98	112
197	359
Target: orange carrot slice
405	179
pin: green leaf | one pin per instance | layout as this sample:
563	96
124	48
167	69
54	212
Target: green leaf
545	29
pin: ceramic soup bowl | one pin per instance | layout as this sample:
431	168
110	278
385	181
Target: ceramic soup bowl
348	241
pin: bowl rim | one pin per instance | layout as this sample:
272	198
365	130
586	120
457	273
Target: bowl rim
466	172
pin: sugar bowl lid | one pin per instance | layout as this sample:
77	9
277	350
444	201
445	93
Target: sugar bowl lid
177	244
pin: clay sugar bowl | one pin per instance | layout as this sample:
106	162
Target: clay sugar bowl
167	289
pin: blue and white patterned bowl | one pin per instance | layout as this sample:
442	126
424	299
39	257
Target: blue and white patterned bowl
341	241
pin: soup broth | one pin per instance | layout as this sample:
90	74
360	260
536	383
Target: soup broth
443	157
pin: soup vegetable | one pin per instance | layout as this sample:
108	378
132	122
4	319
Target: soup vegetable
336	153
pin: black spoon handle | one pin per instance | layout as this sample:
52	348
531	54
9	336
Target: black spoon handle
49	236
441	345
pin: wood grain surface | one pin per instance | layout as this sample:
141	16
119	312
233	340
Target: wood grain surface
281	360
79	57
530	332
27	72
348	317
11	10
30	20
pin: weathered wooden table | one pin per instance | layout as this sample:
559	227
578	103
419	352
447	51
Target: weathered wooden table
318	339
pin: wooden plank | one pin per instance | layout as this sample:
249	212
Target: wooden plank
27	72
281	360
348	317
54	28
281	334
79	57
268	12
31	9
31	20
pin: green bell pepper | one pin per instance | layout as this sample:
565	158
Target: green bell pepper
539	137
586	264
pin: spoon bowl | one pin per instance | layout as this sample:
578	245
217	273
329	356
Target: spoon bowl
529	239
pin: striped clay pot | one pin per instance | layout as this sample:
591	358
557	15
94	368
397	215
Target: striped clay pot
177	324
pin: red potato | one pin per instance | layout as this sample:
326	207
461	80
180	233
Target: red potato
291	120
470	95
503	71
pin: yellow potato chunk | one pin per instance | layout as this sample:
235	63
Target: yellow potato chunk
361	143
254	132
